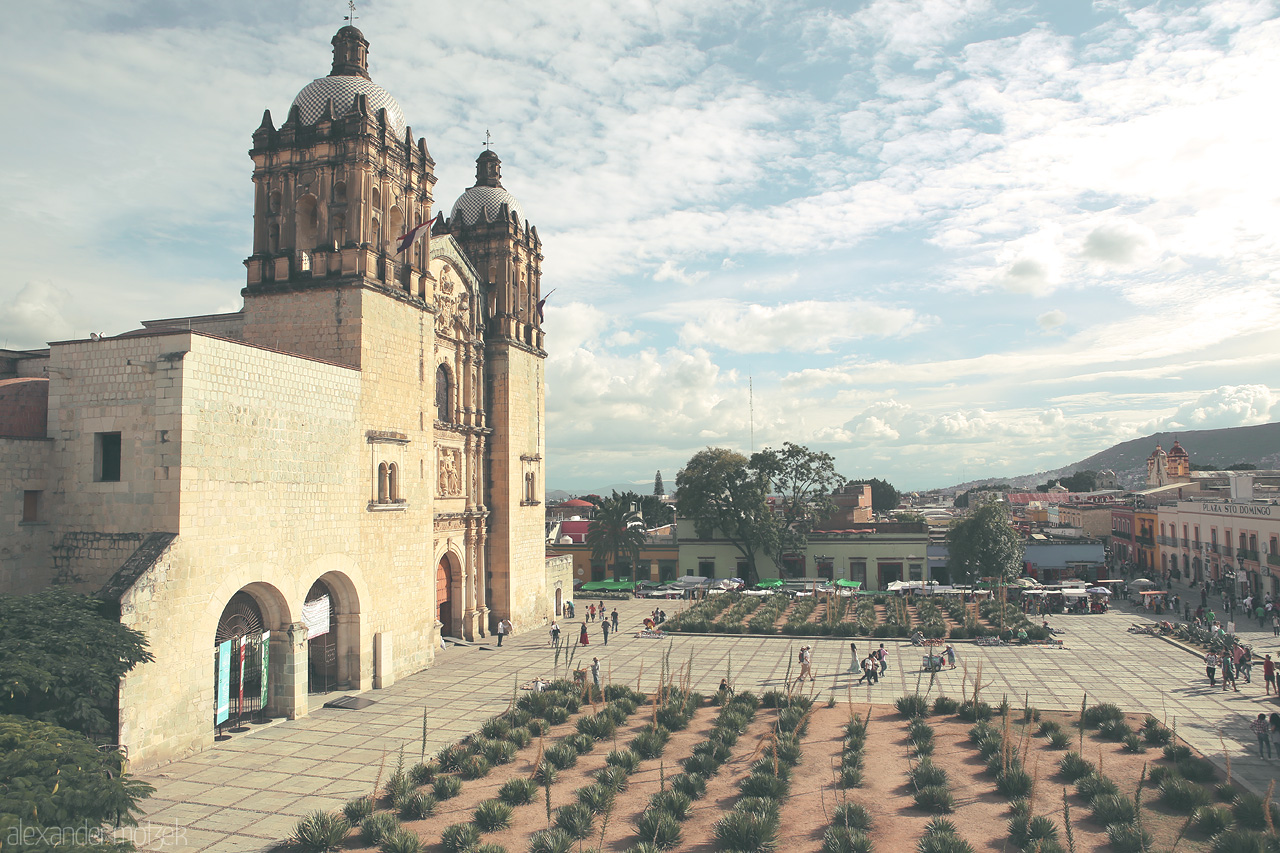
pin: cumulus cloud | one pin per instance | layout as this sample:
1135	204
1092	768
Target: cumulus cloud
1228	406
1120	243
34	316
1051	319
670	272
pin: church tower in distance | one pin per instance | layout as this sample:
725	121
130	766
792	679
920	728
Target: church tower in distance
489	223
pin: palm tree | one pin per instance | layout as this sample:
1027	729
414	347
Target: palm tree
616	531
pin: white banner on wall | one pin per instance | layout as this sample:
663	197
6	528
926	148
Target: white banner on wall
315	615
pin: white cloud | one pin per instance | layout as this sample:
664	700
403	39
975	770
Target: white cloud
1228	406
670	272
35	316
1051	319
796	326
1120	243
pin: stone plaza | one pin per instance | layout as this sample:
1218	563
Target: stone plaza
246	793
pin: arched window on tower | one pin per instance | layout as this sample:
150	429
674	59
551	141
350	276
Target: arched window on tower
273	238
393	482
340	192
375	233
395	227
338	229
308	221
384	483
443	394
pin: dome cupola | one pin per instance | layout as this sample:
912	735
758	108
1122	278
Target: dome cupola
484	201
349	77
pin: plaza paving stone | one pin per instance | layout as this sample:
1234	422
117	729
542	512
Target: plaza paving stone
245	793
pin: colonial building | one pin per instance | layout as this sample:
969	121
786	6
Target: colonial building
1235	541
312	491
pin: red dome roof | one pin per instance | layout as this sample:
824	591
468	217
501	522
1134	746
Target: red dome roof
577	502
1178	450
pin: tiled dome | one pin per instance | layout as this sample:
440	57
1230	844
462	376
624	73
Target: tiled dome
343	89
486	202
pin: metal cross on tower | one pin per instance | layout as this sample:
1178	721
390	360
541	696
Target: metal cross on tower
487	143
351	18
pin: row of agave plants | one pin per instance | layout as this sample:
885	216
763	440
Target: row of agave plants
405	796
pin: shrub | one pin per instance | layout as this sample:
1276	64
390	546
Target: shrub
545	773
357	810
927	773
764	785
446	787
1113	808
1133	743
460	838
1238	840
422	773
550	841
673	802
1128	838
793	719
1159	773
935	798
518	791
1225	792
1095	715
537	726
451	757
650	743
596	797
714	748
492	815
613	778
747	832
398	787
1211	820
1157	735
500	752
840	839
982	731
582	744
1074	766
1197	770
496	727
658	827
490	848
971	713
474	767
851	777
1114	730
623	758
561	756
401	841
787	749
945	705
943	842
1014	782
1047	728
770	766
704	764
1182	795
692	785
912	705
417	806
989	748
1032	830
575	820
376	827
1059	740
761	805
1095	785
556	716
1250	811
852	816
1176	752
320	831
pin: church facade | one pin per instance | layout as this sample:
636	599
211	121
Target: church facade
312	492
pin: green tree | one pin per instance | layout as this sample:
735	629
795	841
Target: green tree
720	493
657	484
984	545
616	531
61	659
51	777
804	481
962	499
884	497
1081	481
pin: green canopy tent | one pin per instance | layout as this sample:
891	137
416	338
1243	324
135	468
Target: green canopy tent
771	583
849	584
608	586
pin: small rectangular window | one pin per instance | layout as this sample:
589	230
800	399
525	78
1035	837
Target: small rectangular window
858	571
30	506
106	457
707	568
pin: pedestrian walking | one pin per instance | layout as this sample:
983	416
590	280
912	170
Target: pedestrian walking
884	659
1269	675
591	613
1210	667
604	626
1275	623
1228	674
806	664
853	656
555	633
583	639
1262	728
615	618
869	669
595	672
950	652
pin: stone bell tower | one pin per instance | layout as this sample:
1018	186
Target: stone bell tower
489	223
334	187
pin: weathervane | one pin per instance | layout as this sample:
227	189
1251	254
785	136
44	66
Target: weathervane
351	19
487	144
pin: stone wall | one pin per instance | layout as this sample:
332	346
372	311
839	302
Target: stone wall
24	546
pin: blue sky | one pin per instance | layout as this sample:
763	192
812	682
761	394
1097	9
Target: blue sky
939	239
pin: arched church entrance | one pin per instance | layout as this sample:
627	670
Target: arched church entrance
241	652
559	601
444	597
320	615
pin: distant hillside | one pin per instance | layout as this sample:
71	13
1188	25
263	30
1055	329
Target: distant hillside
1259	445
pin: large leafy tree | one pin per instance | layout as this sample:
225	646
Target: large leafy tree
721	493
62	657
54	778
984	545
616	531
884	497
803	481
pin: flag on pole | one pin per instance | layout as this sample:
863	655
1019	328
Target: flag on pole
407	240
542	304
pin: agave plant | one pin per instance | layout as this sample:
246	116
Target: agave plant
460	838
492	815
320	832
659	828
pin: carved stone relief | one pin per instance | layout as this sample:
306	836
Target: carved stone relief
449	471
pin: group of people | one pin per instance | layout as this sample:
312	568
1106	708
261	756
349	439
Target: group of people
1268	731
595	612
1238	663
